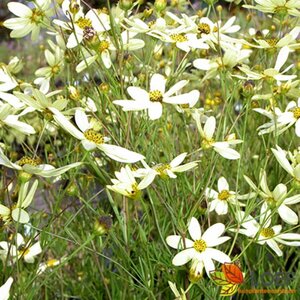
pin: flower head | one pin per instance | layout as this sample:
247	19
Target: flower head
200	247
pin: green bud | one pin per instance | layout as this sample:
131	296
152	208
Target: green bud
126	4
160	5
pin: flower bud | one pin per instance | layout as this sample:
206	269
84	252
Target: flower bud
125	4
160	5
24	176
196	271
103	224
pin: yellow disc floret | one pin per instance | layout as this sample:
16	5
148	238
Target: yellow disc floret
94	136
156	96
84	22
203	28
26	160
224	195
200	245
267	232
178	37
296	112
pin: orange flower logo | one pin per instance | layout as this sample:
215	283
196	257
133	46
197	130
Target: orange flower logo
229	278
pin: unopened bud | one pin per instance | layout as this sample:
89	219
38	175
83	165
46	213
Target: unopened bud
126	4
160	5
103	224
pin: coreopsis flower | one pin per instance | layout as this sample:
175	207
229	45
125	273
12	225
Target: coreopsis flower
272	43
263	233
30	20
273	124
233	56
39	101
55	61
200	248
154	99
84	27
33	166
276	200
125	183
185	42
51	263
207	133
8	83
21	249
279	7
291	116
17	212
167	170
106	46
206	30
9	118
293	170
5	288
270	73
92	139
223	197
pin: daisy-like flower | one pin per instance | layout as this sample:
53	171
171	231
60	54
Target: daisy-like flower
51	263
276	199
125	183
270	73
293	170
34	166
167	170
273	124
17	212
22	249
263	233
207	31
207	133
153	100
106	46
223	197
39	101
279	7
55	61
29	20
84	27
233	56
200	248
291	116
273	43
92	139
5	288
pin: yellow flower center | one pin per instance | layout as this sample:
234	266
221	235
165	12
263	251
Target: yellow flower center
103	46
135	192
224	195
296	112
26	160
52	262
207	144
178	37
162	168
84	22
203	28
37	16
55	69
272	42
281	10
271	202
94	136
200	245
156	96
23	251
267	232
